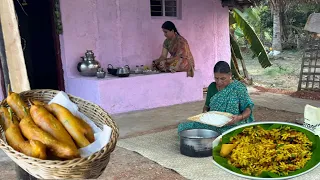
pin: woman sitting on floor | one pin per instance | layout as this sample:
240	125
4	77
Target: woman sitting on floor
181	58
225	95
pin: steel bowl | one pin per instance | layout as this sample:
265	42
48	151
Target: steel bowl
101	73
197	142
217	140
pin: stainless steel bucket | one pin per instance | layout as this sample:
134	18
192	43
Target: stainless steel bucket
197	142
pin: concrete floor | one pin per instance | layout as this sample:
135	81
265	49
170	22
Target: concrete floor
144	121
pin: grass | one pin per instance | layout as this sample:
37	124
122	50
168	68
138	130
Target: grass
274	71
283	74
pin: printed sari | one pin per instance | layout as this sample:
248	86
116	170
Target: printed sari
181	54
233	99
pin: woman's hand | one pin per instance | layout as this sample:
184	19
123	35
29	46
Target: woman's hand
241	117
157	61
235	119
205	109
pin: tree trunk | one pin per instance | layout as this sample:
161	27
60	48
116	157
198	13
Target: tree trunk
276	39
235	66
235	70
244	68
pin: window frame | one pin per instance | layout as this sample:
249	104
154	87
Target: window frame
178	11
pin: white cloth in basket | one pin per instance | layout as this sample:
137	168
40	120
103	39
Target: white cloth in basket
102	137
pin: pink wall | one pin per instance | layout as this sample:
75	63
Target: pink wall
122	32
138	92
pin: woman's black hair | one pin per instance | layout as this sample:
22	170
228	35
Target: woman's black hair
168	25
222	67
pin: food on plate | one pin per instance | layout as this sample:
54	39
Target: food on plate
32	132
79	130
226	149
198	117
15	139
47	122
280	151
214	118
18	106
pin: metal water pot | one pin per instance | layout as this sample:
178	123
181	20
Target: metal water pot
197	142
123	71
101	73
89	54
88	66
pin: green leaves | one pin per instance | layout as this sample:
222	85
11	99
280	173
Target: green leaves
235	47
255	44
315	158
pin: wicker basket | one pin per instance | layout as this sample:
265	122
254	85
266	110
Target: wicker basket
89	167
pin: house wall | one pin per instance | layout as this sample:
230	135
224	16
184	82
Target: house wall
122	32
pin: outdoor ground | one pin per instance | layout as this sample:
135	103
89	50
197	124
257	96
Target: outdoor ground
283	74
125	165
282	77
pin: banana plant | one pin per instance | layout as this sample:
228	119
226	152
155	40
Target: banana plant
239	26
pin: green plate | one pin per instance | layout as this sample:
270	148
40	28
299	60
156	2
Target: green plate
223	162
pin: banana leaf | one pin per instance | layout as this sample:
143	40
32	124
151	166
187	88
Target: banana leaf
252	13
238	32
235	47
255	44
235	68
232	21
315	158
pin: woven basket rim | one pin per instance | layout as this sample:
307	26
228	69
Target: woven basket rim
115	132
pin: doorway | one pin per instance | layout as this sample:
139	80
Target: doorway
40	43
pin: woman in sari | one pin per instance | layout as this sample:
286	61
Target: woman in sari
225	95
181	59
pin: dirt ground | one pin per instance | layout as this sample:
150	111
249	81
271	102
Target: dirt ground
312	95
282	77
283	74
127	165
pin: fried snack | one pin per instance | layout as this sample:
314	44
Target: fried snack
47	122
6	118
226	149
37	102
17	104
80	131
15	139
90	134
31	131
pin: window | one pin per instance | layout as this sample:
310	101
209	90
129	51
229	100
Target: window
168	8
